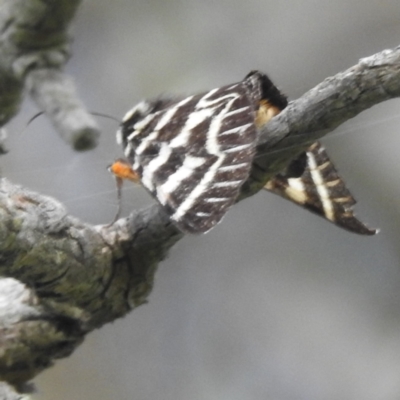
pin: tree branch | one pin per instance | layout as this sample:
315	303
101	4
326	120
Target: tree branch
66	278
77	277
321	110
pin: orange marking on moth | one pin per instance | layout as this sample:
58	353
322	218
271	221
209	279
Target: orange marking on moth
123	170
265	113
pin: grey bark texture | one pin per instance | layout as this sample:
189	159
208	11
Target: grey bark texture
63	278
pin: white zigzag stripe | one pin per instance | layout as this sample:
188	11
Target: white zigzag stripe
189	164
154	165
213	148
238	129
216	199
226	184
321	188
237	111
194	119
232	167
239	148
161	123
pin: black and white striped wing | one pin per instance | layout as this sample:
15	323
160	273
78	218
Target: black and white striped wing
312	181
194	154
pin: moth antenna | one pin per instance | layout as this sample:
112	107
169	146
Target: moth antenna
34	117
94	113
103	115
30	120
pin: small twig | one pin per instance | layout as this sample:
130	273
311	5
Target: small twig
55	93
34	47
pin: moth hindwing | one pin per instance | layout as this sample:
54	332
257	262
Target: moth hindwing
194	154
313	182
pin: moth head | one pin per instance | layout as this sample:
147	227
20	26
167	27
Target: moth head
136	113
133	116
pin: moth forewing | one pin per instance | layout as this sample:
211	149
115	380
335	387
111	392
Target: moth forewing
194	154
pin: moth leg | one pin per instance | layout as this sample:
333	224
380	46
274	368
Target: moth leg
119	182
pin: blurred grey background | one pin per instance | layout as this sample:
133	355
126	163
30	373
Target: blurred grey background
274	303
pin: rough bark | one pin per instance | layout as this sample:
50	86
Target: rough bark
68	278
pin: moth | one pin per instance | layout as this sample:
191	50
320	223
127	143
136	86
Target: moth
193	154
